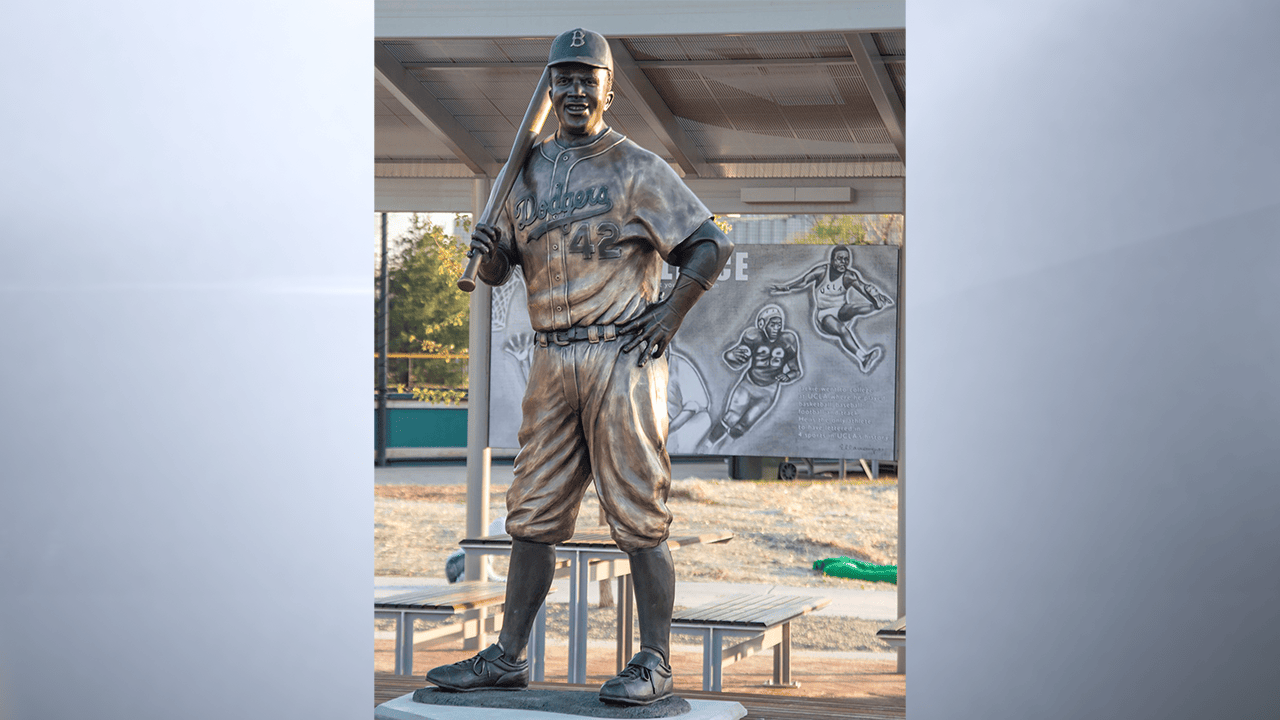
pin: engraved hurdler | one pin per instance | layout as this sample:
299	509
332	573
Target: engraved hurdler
840	297
769	356
589	223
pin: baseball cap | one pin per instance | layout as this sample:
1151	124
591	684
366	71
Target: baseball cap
581	46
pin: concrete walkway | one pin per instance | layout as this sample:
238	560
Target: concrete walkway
846	602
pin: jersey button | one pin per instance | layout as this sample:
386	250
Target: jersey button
555	247
558	308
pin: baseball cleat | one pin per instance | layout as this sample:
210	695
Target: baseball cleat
488	670
646	679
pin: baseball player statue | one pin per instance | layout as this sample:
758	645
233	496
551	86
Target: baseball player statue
589	221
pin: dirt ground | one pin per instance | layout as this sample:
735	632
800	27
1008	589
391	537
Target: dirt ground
780	529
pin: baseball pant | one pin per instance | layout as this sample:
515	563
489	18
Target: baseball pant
589	411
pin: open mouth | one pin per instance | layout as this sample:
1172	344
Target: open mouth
575	108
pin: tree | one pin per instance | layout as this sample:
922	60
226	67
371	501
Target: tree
428	312
853	230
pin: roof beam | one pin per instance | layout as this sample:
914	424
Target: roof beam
654	110
431	112
867	56
664	64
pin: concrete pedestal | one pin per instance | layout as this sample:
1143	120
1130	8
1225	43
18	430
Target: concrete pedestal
548	705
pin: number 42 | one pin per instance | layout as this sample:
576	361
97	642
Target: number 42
606	236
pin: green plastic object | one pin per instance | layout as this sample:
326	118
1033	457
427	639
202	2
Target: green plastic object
857	570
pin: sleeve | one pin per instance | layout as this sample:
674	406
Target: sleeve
662	207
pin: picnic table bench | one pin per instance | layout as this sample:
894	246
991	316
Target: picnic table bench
437	603
895	634
765	622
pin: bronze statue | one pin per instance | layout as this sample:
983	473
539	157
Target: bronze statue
590	220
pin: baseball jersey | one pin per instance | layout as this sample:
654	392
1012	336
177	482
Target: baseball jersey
590	228
769	358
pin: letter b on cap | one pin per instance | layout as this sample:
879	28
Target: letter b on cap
581	46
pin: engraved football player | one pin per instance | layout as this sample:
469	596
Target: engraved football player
589	223
840	297
769	356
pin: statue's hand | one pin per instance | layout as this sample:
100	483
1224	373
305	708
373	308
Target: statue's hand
654	328
484	239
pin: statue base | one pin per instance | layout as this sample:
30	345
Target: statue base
433	704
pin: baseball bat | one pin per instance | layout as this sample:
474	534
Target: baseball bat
526	135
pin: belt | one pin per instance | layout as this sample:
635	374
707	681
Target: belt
592	334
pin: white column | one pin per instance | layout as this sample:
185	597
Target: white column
901	439
478	453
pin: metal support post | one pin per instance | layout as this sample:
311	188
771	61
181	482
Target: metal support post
478	452
901	439
381	330
479	455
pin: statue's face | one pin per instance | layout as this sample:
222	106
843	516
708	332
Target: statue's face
773	327
580	94
840	260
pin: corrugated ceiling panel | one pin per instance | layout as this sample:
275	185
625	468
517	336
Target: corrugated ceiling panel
697	130
824	99
867	118
462	49
682	91
526	49
763	124
468	106
486	123
840	134
828	45
498	143
777	46
898	73
747	105
655	48
716	47
415	50
706	114
673	74
713	47
622	105
891	43
722	90
872	135
815	118
451	85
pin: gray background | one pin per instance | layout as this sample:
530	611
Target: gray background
1091	380
716	323
185	306
1093	360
